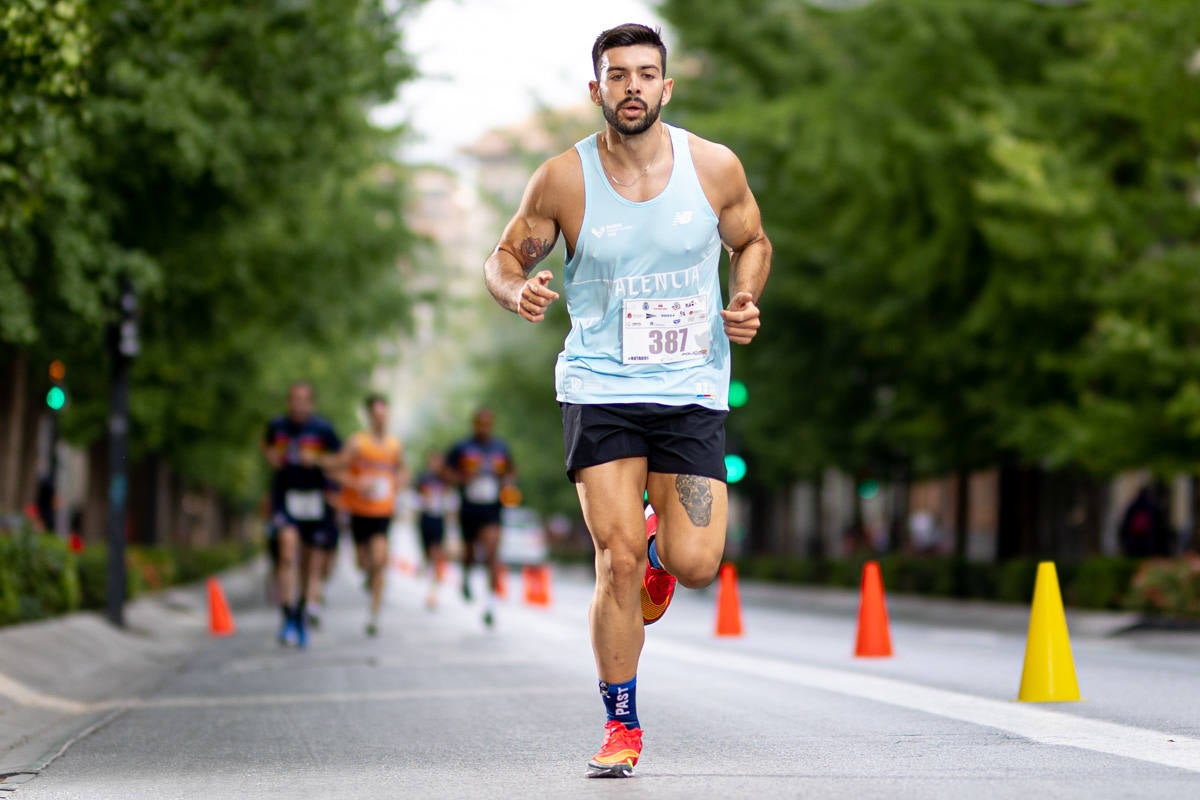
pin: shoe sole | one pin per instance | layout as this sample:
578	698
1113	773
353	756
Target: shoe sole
622	770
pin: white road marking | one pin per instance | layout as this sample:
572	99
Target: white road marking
1039	724
23	695
302	698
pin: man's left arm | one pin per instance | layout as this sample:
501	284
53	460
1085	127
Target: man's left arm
402	476
740	226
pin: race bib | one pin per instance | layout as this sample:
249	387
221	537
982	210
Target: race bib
305	506
484	489
380	488
664	331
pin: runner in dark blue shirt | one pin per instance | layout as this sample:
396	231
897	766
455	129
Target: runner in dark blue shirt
481	465
299	446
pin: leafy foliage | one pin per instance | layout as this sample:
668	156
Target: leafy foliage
219	156
984	221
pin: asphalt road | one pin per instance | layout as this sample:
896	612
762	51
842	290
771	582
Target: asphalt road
441	707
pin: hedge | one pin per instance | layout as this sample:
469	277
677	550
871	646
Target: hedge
40	577
1168	587
1098	583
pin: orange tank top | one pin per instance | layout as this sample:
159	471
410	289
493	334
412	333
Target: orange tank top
371	491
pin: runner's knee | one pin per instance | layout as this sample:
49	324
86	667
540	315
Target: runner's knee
694	568
289	547
620	566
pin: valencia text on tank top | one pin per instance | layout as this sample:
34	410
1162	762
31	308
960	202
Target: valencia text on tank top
644	294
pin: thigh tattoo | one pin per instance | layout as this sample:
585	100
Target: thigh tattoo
696	498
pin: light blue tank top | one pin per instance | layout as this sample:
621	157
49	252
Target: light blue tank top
644	294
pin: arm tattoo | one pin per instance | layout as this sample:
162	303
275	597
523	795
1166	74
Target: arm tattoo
696	498
534	250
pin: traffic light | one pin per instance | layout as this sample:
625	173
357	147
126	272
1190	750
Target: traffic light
56	397
735	465
735	468
738	394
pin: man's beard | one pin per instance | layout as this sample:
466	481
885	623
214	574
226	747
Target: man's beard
631	128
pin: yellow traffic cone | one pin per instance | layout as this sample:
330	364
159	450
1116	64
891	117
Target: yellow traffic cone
1049	673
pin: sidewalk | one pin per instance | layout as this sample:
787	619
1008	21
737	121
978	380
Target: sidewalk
938	611
62	677
923	609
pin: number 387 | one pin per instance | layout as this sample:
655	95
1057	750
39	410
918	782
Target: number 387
669	341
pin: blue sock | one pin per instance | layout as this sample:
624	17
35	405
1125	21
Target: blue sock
652	551
620	700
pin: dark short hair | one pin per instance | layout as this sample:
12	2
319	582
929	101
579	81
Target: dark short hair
627	35
374	398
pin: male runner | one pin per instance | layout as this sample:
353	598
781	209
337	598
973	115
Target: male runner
481	465
374	462
643	378
299	447
433	496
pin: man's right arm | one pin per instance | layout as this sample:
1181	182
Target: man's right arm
527	239
266	445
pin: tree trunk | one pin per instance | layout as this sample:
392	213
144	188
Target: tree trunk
898	526
1193	537
12	401
962	523
95	507
816	544
1020	500
27	475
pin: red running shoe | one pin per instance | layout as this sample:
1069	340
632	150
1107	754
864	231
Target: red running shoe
658	585
619	754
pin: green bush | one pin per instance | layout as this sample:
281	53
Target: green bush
1167	587
192	564
1015	579
39	577
1096	583
1099	583
93	576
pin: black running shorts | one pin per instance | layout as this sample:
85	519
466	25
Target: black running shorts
674	440
472	519
366	528
433	532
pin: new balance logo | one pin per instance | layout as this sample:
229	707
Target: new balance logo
682	218
609	230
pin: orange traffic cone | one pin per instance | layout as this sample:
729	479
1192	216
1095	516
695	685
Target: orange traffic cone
537	585
729	607
874	639
220	621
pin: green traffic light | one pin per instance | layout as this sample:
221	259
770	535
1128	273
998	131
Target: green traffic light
738	394
735	468
868	489
56	398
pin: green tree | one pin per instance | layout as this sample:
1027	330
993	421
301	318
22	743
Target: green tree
225	160
959	194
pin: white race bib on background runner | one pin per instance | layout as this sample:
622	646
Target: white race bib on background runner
305	506
664	331
380	488
483	489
